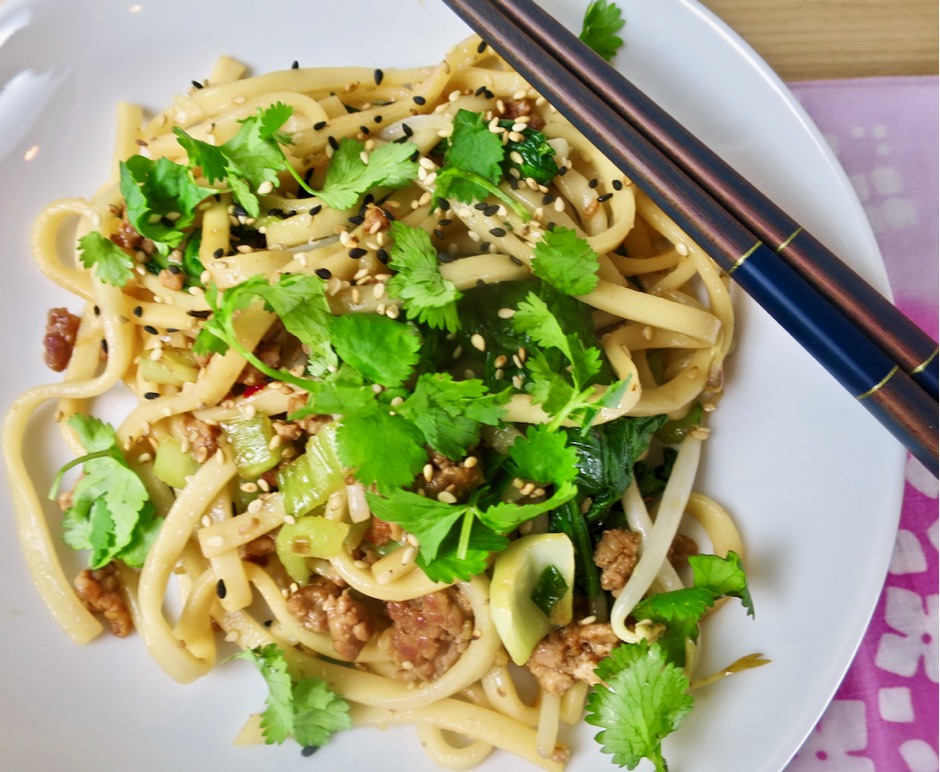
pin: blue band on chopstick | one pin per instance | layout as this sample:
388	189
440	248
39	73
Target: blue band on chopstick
849	355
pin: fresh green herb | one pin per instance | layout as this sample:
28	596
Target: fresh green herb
682	610
348	176
544	456
111	263
449	413
641	698
567	519
300	302
111	513
606	457
161	199
550	588
383	350
602	21
562	397
428	297
249	159
537	155
652	477
473	160
566	261
305	709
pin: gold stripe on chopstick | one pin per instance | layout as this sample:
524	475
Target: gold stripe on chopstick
740	261
790	238
923	365
880	384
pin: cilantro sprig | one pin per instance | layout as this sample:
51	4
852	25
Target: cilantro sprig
111	512
112	264
566	261
349	175
305	709
599	27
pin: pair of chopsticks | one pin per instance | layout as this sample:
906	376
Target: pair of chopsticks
885	361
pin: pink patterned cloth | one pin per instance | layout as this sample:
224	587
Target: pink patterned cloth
884	717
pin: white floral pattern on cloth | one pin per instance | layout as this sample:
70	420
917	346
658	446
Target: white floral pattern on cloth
884	717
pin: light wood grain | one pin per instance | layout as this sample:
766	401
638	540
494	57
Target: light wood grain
814	39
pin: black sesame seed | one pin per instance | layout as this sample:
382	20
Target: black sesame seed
378	75
294	65
482	47
415	156
480	206
138	311
309	750
197	84
382	255
485	246
491	210
172	329
357	219
407	129
618	185
174	268
364	129
356	252
419	100
605	197
445	257
268	622
479	91
551	226
319	125
151	395
377	119
444	221
547	199
516	260
593	183
220	588
104	345
239	211
97	311
333	143
218	253
166	222
150	328
488	94
562	170
324	273
200	314
313	210
444	204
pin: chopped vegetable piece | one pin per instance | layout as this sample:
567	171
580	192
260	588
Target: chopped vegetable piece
250	439
308	480
310	537
172	465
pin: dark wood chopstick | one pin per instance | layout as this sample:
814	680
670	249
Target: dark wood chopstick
902	340
870	375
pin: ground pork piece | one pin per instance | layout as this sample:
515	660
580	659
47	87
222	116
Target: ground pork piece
376	219
428	634
127	237
202	438
172	279
517	108
257	550
325	606
682	548
446	475
380	532
59	341
616	555
569	654
100	592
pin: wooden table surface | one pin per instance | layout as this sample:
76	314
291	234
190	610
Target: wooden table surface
815	39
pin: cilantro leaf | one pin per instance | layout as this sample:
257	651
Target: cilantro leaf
111	263
429	297
566	261
252	157
384	449
111	513
473	150
723	577
504	517
544	456
383	350
641	699
450	413
348	176
161	198
305	709
602	20
447	552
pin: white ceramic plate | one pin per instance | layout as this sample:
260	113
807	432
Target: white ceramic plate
814	481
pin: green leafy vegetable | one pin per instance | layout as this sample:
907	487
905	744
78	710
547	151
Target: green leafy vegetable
428	297
537	162
723	577
383	350
602	21
348	176
161	199
111	513
111	263
305	709
641	699
550	588
566	261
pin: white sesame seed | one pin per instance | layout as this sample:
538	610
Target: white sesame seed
446	497
478	342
